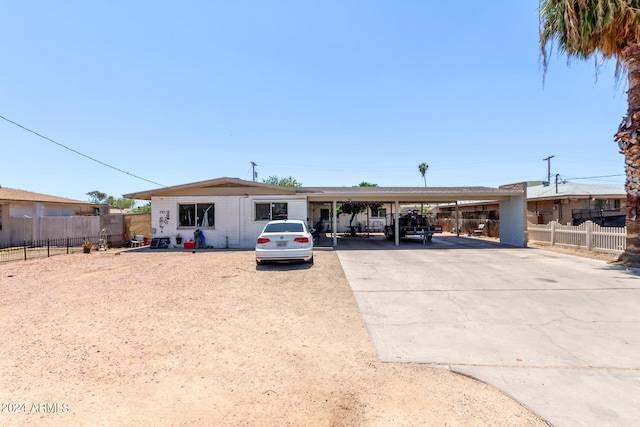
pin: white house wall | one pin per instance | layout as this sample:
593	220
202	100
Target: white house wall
235	224
30	209
5	231
512	221
343	219
21	210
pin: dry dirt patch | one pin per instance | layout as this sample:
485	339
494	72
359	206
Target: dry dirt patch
175	338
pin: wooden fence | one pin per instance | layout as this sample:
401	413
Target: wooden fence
52	227
588	235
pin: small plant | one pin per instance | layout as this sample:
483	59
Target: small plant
87	246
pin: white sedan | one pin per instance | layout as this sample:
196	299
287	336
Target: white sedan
284	240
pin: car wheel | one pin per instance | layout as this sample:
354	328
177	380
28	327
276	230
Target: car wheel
258	262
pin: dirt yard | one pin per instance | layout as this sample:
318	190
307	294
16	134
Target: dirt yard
175	338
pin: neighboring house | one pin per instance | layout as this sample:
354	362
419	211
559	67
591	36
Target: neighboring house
566	203
570	203
478	211
231	212
372	219
25	216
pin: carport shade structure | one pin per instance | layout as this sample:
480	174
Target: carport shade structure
512	199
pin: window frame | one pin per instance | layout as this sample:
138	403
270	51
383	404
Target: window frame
197	209
270	214
378	213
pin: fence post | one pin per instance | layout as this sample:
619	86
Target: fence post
24	245
67	245
589	230
48	248
553	233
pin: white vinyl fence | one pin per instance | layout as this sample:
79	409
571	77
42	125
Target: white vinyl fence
588	235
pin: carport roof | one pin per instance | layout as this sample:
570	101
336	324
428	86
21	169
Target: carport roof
235	186
407	194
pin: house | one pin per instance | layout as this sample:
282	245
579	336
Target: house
231	212
564	202
571	203
28	216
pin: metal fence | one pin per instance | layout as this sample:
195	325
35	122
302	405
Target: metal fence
491	227
588	235
45	248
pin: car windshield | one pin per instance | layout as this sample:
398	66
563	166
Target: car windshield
284	227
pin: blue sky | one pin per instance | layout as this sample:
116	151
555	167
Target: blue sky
332	93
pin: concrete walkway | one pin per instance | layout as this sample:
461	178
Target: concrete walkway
558	333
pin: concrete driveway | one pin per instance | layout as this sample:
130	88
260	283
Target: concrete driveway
558	333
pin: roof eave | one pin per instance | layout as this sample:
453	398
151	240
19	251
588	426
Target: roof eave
218	182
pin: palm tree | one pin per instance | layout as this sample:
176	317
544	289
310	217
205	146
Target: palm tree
423	170
605	29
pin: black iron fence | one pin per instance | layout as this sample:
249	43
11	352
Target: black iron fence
49	247
602	217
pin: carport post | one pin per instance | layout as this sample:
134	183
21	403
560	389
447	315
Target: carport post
397	224
334	223
457	220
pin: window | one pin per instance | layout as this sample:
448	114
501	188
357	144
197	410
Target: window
324	214
378	212
196	215
268	211
262	211
284	227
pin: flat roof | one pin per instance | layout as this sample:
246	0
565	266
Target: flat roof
407	194
235	186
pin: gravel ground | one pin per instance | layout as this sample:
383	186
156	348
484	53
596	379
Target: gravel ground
602	256
169	338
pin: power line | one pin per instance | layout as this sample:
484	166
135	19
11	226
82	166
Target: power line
79	153
596	177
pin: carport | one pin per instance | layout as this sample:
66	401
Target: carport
511	198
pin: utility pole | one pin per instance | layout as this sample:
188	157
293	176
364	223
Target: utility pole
548	160
253	169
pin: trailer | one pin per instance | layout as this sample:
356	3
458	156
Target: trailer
412	224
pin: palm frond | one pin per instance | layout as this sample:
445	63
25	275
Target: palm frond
585	28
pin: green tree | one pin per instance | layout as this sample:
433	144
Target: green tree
99	197
423	167
423	170
96	196
605	29
354	209
121	203
283	182
142	209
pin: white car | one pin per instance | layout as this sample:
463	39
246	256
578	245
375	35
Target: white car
284	240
